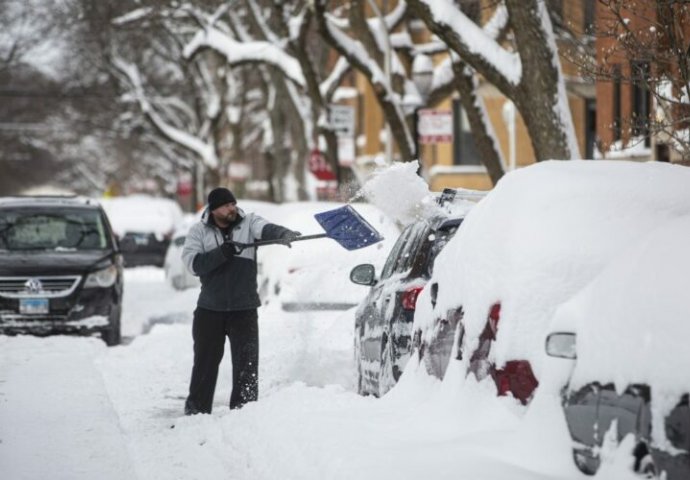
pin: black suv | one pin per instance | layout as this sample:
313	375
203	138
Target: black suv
60	268
383	321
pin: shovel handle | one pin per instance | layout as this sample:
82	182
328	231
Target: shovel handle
259	243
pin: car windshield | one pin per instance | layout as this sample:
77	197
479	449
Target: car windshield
62	229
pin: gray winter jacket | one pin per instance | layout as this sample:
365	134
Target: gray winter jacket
227	283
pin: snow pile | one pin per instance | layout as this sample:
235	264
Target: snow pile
143	214
400	193
631	321
541	236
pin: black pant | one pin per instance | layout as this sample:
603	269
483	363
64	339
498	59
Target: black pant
209	330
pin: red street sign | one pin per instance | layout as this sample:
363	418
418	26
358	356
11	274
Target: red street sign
319	167
184	188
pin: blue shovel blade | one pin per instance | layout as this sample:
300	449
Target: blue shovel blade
348	228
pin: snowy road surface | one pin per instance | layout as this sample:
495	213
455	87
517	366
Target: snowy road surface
70	408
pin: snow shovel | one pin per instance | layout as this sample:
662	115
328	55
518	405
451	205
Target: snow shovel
344	225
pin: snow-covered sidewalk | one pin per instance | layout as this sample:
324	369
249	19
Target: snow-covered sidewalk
56	417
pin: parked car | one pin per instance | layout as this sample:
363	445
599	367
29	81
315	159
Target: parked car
540	236
144	226
623	340
312	275
383	321
176	273
60	268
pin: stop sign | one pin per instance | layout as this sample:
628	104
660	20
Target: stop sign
319	167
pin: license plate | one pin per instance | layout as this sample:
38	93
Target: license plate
141	240
33	306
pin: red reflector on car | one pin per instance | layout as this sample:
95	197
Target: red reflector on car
409	298
517	378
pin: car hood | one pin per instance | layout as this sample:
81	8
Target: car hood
50	262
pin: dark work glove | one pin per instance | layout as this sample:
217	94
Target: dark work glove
229	250
288	237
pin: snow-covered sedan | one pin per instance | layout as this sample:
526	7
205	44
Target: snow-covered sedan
624	341
539	237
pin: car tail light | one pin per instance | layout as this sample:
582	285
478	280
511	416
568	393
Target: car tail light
409	298
494	317
517	378
502	383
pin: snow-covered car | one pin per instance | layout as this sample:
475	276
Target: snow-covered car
179	277
623	339
540	236
313	274
60	268
144	226
176	273
383	321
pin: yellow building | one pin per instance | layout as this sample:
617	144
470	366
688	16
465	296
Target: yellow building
456	163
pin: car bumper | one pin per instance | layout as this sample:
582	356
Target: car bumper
85	313
139	259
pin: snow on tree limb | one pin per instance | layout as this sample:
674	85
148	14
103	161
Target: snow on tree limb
562	107
238	53
474	41
330	84
205	150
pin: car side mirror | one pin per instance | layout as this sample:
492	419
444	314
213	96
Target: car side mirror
364	274
562	345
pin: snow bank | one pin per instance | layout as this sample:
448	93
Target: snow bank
541	236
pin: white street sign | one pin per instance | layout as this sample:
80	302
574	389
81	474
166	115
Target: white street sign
342	118
435	126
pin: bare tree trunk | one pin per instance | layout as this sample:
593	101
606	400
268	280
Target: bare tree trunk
484	140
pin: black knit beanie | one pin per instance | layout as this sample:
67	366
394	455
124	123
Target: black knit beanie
219	197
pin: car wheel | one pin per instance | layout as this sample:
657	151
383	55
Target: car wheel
112	336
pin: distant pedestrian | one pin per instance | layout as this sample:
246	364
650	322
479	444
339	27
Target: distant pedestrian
228	302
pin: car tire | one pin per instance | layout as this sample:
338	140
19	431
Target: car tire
112	336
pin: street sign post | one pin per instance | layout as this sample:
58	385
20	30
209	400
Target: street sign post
342	120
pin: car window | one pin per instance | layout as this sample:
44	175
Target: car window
393	256
418	235
441	238
52	229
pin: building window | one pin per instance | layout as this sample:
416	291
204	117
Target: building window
641	100
616	102
589	16
464	148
